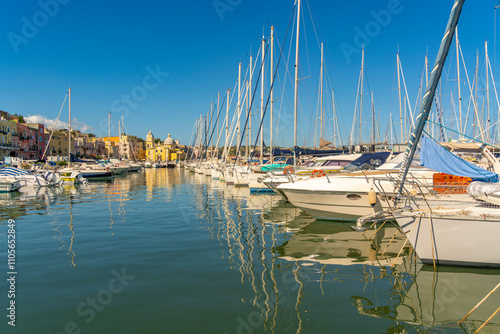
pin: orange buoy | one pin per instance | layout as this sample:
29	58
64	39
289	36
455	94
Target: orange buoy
288	169
318	173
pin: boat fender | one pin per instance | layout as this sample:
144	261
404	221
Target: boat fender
372	197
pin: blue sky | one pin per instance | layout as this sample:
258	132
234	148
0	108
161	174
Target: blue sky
105	50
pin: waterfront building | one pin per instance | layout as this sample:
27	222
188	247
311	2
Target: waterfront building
98	147
58	144
111	146
31	140
131	147
168	150
7	132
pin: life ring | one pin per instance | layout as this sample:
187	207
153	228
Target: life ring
288	169
318	173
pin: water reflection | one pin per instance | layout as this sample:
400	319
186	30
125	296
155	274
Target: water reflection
439	299
283	255
337	244
280	270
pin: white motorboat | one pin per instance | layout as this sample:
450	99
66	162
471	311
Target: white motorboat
8	184
70	176
31	179
348	196
135	167
118	169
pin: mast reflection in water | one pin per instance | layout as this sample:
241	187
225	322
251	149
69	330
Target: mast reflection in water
211	258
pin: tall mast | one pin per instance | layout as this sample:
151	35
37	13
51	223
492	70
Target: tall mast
296	95
210	123
373	120
69	131
271	93
361	96
238	110
227	117
218	110
458	79
321	95
248	133
249	101
487	93
119	141
399	94
425	108
336	132
109	134
390	128
262	102
475	98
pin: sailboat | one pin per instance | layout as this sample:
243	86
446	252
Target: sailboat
452	225
69	175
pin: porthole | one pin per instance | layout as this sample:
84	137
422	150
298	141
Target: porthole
353	197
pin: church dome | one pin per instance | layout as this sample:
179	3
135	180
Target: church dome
169	141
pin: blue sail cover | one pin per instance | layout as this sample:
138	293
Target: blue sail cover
436	157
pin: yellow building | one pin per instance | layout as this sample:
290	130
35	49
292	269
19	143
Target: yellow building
58	144
166	151
7	129
111	145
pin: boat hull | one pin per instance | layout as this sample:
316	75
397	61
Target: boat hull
453	240
333	205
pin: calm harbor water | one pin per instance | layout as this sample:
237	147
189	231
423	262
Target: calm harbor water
166	251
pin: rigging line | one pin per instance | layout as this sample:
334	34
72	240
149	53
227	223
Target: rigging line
307	47
312	22
406	93
471	93
250	108
393	89
55	125
228	143
353	128
274	76
469	137
287	73
334	102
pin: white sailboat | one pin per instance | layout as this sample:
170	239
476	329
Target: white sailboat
455	227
